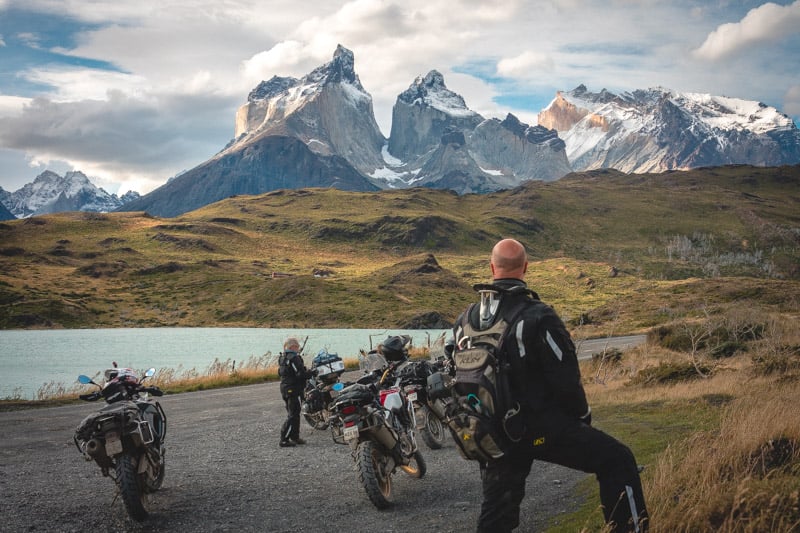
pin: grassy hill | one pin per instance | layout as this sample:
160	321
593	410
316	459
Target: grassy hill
611	251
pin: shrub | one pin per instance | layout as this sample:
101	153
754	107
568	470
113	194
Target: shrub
666	373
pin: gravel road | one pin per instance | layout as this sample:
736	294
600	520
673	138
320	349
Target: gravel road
225	472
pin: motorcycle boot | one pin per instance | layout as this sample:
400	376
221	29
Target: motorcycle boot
286	444
298	440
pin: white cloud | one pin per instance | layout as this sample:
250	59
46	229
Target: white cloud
769	22
179	70
528	64
12	105
791	105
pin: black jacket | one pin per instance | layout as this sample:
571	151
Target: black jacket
293	373
546	379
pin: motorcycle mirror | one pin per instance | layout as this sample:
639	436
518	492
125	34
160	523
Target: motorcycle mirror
85	380
150	372
338	386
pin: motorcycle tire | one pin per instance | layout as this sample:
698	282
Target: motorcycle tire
417	467
131	490
153	484
431	428
371	468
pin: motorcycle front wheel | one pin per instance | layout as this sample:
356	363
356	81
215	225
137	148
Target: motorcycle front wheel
431	428
132	492
371	468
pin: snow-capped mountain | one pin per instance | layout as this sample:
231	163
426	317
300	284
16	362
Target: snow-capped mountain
437	141
51	193
320	131
328	109
317	131
657	129
423	113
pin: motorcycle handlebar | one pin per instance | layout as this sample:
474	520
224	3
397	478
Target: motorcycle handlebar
155	391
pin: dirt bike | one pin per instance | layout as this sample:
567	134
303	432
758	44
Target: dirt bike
414	380
322	389
376	419
126	436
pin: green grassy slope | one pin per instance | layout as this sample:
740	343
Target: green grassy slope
601	244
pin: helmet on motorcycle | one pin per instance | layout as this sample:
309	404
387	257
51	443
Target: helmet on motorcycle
394	349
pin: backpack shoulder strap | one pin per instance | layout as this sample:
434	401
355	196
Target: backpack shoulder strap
516	311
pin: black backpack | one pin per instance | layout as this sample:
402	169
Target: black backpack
482	391
285	370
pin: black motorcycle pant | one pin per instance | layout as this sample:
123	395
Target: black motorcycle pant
291	427
576	446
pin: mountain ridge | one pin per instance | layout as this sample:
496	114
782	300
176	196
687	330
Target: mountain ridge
52	193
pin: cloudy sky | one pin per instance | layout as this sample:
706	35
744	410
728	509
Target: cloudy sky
132	92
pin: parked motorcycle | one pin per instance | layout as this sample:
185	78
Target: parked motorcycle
414	380
126	436
322	389
375	417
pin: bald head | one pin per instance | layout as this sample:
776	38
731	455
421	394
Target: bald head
509	260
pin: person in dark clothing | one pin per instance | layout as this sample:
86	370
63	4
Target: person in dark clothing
546	382
294	374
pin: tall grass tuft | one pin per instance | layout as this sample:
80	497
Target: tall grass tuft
744	477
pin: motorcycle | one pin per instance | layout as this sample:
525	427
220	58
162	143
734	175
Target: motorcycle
376	419
126	436
322	389
414	380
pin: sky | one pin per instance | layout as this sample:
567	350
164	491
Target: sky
133	92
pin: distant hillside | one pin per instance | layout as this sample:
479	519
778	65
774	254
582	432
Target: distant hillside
407	258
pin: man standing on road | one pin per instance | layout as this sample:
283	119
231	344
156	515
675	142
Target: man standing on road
293	375
546	383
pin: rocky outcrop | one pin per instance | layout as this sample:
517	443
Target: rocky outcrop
443	144
423	113
522	152
328	110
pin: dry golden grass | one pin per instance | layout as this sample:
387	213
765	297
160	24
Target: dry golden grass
723	452
741	478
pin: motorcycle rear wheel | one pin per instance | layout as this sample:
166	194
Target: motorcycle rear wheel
371	467
153	484
431	428
130	488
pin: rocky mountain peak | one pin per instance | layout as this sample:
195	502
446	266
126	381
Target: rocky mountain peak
272	87
341	69
430	90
